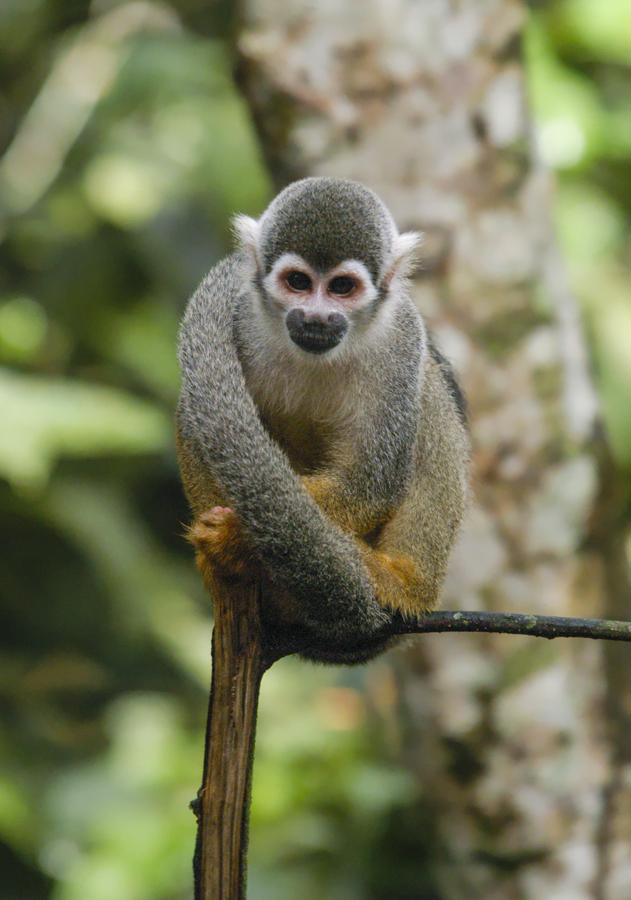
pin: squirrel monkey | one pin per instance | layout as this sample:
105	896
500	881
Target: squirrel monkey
321	436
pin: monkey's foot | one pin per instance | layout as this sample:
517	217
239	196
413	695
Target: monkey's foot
399	585
219	543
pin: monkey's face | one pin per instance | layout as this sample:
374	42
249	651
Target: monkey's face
320	309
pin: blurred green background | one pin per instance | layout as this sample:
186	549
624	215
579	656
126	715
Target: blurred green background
124	149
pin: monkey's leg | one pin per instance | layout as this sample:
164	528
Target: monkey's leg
407	562
410	558
398	580
348	511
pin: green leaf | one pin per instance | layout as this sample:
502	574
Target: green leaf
48	418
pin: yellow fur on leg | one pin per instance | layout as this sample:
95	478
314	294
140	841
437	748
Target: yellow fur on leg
399	585
325	490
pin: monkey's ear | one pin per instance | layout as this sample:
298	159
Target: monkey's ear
405	255
247	232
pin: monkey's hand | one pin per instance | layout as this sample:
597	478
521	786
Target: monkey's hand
220	546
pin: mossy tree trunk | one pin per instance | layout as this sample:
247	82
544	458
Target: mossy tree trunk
523	784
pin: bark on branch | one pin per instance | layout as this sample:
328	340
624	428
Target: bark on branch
517	623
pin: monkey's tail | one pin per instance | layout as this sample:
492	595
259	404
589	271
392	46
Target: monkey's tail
316	561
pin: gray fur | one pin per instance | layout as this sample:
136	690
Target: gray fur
409	447
326	220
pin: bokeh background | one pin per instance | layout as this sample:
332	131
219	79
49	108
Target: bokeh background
125	148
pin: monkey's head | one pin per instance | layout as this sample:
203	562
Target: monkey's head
325	257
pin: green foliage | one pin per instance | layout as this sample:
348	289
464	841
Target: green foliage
47	418
579	54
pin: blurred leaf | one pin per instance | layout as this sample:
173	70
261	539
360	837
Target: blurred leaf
569	117
138	844
45	418
602	28
142	339
590	222
15	815
22	329
124	190
613	332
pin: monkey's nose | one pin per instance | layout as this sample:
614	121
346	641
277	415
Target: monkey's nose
295	318
317	332
337	321
334	322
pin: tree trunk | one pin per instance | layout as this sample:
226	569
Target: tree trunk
522	786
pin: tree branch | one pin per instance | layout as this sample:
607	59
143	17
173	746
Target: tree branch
514	623
243	648
223	800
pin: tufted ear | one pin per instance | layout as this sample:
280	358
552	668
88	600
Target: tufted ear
247	232
405	253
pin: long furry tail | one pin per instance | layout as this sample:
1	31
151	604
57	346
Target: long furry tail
319	564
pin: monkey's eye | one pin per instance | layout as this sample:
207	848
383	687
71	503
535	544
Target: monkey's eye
298	281
342	285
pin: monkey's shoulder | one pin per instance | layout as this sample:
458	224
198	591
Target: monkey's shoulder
449	380
225	277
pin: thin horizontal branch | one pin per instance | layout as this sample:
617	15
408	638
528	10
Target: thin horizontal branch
515	623
279	643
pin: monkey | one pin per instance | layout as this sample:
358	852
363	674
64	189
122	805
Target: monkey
322	438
